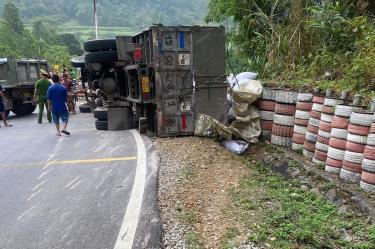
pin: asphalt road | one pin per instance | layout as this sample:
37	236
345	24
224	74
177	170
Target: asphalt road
93	189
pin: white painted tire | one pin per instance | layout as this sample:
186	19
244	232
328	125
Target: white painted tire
343	110
332	170
350	176
287	97
283	120
368	165
304	97
302	115
324	134
266	115
371	139
326	117
332	102
336	153
314	122
353	157
282	141
308	154
364	119
300	129
322	147
269	93
339	133
311	137
367	187
297	147
317	107
356	138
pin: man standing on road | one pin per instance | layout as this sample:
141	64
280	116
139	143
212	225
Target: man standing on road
40	93
57	97
2	107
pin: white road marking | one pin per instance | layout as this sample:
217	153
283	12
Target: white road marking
24	213
129	225
40	184
44	173
75	185
34	194
70	183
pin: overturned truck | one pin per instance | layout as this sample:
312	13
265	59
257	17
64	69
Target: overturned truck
158	80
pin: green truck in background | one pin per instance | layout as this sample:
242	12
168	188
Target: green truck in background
17	78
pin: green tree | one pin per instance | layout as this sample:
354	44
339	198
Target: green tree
12	18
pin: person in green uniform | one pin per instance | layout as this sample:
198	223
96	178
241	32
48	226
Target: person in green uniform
40	95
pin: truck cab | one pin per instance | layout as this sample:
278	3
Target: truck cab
17	78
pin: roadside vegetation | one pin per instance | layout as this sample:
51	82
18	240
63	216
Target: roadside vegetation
326	43
41	41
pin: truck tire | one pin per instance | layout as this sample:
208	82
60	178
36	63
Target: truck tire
101	114
78	61
85	108
21	109
101	125
100	45
99	57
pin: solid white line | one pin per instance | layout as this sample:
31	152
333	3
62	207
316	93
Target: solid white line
129	225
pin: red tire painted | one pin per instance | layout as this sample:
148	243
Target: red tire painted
285	109
266	125
298	138
266	105
337	143
369	152
315	114
320	155
325	126
340	122
282	131
328	109
313	129
301	122
304	106
334	163
358	130
353	167
368	177
323	140
354	147
307	145
318	99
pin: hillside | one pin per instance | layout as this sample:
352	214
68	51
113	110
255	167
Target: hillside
114	13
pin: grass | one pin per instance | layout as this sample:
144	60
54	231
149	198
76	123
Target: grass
193	241
278	212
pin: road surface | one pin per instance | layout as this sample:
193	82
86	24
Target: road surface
93	189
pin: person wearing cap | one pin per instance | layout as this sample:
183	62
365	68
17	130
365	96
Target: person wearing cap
40	95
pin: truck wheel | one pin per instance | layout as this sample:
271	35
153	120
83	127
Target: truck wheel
100	45
101	114
21	109
101	125
85	108
98	57
78	61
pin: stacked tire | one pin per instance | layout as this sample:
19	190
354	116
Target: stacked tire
311	136
358	129
368	165
100	51
283	120
101	115
302	116
266	106
337	142
324	133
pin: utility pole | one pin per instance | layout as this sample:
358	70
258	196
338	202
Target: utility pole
96	21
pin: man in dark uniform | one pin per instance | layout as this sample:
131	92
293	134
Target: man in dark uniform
2	107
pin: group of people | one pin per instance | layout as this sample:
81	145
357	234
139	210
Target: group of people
55	97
